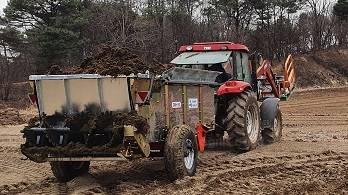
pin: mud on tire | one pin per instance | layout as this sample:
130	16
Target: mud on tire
66	171
242	121
272	135
180	152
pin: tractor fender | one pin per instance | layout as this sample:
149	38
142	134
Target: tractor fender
233	87
268	112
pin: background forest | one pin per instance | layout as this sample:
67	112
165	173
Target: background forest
36	34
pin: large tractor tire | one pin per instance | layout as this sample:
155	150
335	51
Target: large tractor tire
180	152
243	121
66	171
274	134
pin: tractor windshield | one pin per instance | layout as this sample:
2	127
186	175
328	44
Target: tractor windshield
202	58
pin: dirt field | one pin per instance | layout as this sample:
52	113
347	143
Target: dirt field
312	158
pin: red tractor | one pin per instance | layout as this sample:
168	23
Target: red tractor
247	100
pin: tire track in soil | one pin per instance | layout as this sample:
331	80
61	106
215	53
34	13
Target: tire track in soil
215	174
316	104
23	167
272	170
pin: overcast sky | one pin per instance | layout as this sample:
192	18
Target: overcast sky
3	4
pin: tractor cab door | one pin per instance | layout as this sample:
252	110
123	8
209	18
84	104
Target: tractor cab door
242	70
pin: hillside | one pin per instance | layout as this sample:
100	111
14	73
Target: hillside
322	69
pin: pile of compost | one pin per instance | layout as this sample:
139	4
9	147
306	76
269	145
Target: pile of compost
112	61
56	70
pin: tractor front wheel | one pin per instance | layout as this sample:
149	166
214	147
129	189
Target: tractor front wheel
274	134
65	171
180	152
243	121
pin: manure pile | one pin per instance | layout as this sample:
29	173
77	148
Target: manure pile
112	61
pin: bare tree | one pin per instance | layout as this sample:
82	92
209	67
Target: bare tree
321	29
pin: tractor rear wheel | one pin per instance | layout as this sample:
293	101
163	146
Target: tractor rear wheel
243	121
272	135
180	152
65	171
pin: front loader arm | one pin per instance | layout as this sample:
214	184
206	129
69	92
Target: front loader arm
266	70
289	73
281	86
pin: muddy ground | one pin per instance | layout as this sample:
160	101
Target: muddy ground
312	158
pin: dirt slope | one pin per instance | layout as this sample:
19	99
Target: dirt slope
10	115
322	69
311	158
17	110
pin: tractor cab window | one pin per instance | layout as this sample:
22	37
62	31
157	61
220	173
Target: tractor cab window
225	69
241	64
238	66
228	66
232	64
246	68
201	58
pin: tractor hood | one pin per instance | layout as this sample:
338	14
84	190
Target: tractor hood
211	57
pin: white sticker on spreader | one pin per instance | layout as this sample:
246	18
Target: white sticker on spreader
193	103
176	104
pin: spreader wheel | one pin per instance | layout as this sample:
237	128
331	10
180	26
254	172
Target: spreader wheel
66	171
180	152
272	135
243	121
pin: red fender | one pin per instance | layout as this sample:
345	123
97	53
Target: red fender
201	134
231	87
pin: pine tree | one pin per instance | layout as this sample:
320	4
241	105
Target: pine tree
340	9
55	27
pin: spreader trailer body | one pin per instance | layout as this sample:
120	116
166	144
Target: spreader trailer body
214	88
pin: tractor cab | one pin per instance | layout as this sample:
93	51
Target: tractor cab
232	60
238	71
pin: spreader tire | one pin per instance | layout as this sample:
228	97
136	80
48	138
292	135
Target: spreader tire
243	121
66	171
274	134
180	152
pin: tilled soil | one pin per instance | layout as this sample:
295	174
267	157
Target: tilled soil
312	158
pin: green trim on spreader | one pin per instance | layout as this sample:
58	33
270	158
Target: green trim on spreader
287	97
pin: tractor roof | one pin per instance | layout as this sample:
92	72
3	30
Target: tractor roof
214	46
